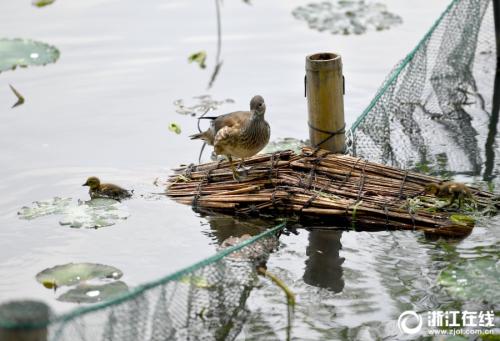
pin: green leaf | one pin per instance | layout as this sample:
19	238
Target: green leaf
44	207
75	273
23	53
175	128
199	57
20	98
94	213
42	3
462	219
88	293
285	144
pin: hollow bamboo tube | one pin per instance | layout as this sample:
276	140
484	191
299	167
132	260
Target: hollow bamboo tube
325	100
24	321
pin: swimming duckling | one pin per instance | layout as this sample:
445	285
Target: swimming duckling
451	190
107	191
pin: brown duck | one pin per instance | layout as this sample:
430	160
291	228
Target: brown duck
107	191
240	134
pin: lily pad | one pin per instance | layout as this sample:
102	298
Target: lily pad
205	104
76	273
25	52
284	144
95	213
472	280
44	207
347	16
88	293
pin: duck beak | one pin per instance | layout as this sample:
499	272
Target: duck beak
85	184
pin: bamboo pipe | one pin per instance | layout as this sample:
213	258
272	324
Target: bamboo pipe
24	321
325	100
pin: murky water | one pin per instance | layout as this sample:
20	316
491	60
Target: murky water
105	107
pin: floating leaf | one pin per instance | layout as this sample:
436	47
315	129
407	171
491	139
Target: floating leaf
42	3
45	207
174	127
347	17
199	57
284	144
20	98
95	213
472	279
23	53
462	219
75	273
88	293
205	104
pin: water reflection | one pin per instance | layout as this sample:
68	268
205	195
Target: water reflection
324	265
224	226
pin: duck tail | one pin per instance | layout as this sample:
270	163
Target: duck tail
197	136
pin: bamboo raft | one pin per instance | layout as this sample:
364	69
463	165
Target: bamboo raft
333	189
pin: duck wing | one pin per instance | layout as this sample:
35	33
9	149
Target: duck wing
114	191
235	120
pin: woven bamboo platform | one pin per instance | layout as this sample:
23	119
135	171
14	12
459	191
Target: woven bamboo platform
334	189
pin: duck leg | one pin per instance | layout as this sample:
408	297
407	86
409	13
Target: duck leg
241	166
233	169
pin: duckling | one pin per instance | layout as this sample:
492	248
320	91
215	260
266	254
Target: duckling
107	191
451	190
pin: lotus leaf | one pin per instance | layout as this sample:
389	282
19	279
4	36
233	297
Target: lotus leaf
87	293
75	273
25	52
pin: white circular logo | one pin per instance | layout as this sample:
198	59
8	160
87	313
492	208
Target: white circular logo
403	322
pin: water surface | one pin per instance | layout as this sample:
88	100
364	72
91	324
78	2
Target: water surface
104	109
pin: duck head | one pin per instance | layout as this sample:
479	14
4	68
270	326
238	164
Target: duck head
432	189
93	182
257	105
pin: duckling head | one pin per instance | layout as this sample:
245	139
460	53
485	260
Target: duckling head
93	182
257	105
432	189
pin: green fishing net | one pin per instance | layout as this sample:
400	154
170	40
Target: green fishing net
433	111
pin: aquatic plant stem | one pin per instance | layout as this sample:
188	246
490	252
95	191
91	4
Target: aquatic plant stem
218	62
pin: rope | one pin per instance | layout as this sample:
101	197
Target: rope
331	134
203	182
271	169
348	175
189	170
402	185
362	181
386	211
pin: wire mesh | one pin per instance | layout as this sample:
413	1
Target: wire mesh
430	111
